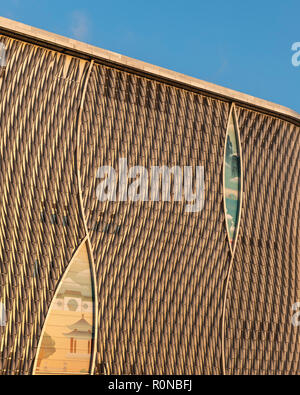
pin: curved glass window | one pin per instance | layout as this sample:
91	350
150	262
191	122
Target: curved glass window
2	314
232	178
66	344
2	58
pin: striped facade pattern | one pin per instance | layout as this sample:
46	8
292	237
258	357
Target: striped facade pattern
41	226
265	280
161	273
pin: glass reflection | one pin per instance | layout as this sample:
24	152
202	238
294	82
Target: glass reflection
66	345
232	179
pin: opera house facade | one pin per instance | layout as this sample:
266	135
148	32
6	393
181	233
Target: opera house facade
124	286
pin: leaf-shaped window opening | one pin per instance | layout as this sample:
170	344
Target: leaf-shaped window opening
2	314
2	59
232	178
66	343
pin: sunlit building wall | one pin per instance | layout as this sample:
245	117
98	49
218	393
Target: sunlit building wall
123	287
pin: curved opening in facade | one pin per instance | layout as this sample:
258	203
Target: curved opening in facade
2	59
66	343
232	178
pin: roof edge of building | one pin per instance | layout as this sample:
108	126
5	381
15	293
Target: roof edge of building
87	51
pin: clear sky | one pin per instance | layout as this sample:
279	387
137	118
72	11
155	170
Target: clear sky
242	45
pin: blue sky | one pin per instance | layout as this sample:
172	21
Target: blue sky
242	45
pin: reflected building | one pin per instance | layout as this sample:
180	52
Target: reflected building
66	345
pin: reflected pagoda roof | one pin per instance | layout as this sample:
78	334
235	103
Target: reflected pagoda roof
81	326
